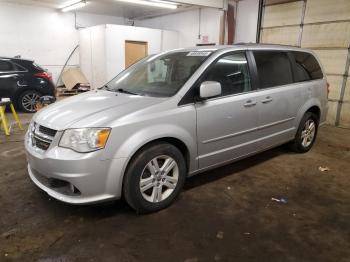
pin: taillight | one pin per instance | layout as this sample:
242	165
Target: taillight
328	88
44	75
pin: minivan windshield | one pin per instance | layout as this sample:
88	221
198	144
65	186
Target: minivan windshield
158	75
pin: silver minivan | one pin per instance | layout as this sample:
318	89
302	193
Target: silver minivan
173	115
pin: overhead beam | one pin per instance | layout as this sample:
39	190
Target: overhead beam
205	3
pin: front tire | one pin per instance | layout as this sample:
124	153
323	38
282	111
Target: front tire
27	101
154	177
306	133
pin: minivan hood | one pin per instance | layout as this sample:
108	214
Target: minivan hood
67	112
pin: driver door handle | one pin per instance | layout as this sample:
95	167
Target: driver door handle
250	103
267	99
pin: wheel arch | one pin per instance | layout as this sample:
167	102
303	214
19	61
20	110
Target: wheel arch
313	105
179	144
316	110
166	139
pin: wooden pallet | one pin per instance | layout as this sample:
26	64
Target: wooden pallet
66	92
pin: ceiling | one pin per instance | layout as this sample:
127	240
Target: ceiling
107	7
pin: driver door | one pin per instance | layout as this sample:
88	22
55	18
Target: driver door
227	125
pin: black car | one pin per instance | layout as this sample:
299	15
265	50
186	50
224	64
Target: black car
24	83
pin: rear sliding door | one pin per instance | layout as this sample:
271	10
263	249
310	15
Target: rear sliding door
279	98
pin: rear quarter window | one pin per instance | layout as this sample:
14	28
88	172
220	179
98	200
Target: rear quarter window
306	67
36	66
19	68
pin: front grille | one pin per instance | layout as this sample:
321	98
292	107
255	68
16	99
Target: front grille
43	145
47	131
42	136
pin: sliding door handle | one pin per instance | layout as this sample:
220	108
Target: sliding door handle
250	103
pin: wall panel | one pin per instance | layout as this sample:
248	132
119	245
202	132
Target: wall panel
283	14
326	35
335	83
333	61
327	10
347	91
281	35
273	2
332	112
345	115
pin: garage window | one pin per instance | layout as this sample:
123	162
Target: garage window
232	72
307	67
274	68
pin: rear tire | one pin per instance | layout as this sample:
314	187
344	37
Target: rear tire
306	134
27	101
154	177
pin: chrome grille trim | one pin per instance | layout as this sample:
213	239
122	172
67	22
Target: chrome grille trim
47	131
43	135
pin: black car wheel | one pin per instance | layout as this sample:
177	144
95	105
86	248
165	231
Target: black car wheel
154	177
27	101
306	133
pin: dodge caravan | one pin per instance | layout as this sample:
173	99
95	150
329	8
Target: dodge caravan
172	115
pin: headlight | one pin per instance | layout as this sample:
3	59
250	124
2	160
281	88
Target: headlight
85	140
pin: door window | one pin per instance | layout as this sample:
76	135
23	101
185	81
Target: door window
232	72
5	66
274	68
307	67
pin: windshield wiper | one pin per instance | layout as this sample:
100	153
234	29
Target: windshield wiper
106	87
121	90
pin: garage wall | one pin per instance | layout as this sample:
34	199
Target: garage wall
43	34
102	48
321	25
190	24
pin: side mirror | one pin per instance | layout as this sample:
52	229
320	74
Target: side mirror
209	89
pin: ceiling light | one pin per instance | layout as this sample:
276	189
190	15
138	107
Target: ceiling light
71	5
68	3
162	4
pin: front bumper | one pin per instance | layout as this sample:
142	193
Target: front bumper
73	177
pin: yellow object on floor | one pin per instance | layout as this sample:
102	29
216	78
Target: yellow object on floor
3	119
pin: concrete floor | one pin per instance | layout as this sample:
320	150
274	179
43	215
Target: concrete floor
223	215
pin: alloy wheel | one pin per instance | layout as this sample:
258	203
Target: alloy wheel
29	101
159	178
308	133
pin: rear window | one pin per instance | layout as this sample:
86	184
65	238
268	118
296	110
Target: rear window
274	68
36	66
307	67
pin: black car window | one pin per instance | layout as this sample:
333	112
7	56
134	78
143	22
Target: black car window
307	67
19	68
6	66
274	68
232	72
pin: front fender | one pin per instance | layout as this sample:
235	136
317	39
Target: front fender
142	137
148	134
